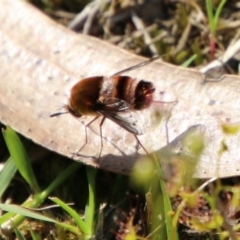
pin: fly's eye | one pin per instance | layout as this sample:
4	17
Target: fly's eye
74	113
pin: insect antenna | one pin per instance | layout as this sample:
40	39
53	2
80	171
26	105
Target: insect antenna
57	114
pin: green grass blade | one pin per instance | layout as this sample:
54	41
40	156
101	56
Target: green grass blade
170	229
213	19
34	235
6	217
80	223
90	206
218	12
19	234
20	158
25	212
189	61
6	175
210	16
22	211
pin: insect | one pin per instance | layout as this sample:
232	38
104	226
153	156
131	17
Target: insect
116	97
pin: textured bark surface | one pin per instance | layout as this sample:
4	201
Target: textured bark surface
40	62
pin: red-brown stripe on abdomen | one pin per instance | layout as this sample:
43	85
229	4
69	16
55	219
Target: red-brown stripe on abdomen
124	88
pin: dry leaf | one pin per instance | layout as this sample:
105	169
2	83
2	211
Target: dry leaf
41	61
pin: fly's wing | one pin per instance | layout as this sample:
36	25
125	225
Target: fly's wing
119	112
116	105
141	64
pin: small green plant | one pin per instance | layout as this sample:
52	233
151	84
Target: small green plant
16	213
213	22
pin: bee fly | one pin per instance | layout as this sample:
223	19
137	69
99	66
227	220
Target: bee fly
116	98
